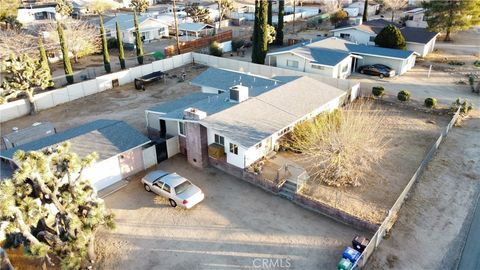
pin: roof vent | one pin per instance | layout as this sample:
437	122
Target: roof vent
238	93
194	114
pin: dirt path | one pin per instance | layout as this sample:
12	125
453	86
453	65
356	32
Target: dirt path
433	223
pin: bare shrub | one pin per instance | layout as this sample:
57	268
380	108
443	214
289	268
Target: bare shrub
340	147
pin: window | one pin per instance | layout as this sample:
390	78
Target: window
372	39
219	140
292	63
233	148
258	145
161	31
318	67
158	184
344	35
166	188
181	128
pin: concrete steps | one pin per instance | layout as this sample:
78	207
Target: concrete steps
288	190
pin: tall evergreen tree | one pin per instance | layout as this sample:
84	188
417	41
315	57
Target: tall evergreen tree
44	58
365	11
67	65
121	53
138	40
106	55
281	13
449	16
270	13
260	32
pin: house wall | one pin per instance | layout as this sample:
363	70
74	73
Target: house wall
280	60
357	36
27	15
422	49
149	157
104	173
131	162
248	156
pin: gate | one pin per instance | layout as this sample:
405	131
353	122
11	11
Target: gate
161	149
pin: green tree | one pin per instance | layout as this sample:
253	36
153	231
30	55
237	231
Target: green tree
67	65
197	13
121	53
139	6
260	32
138	40
338	17
64	7
390	37
279	30
365	11
215	49
23	76
450	16
50	204
270	13
106	55
44	58
8	12
100	6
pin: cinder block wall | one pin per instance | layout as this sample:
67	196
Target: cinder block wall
197	144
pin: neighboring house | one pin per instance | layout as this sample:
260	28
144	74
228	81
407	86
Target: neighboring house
373	8
244	123
169	19
415	18
338	58
313	57
417	39
122	150
195	30
82	7
150	28
35	13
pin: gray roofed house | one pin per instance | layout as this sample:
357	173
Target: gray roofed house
25	135
150	28
246	118
106	137
257	118
122	150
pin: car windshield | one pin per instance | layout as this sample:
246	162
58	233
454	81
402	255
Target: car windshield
182	187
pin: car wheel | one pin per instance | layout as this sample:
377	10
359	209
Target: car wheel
362	71
381	76
147	187
173	203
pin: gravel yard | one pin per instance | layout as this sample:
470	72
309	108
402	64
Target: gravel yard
237	226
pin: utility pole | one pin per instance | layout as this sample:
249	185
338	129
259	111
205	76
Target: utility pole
293	22
176	25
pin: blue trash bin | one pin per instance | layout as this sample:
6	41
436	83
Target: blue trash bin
351	254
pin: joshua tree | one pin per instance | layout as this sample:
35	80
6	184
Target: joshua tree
64	7
23	76
139	6
43	57
46	180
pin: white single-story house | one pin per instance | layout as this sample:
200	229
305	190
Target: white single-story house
194	30
33	13
150	28
338	58
415	18
245	120
122	150
373	8
418	40
169	19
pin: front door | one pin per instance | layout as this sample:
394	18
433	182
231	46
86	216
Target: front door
161	149
163	128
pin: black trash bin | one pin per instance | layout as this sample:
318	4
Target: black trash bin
359	243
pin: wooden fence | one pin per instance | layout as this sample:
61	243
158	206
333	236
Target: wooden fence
200	43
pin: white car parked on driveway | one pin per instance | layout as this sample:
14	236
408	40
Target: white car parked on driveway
179	190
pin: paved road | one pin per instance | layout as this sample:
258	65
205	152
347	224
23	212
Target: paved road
471	253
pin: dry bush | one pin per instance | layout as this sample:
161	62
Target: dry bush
17	42
340	147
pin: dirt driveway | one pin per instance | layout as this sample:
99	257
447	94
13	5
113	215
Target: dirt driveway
235	227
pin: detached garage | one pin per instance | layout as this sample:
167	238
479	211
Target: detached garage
122	150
